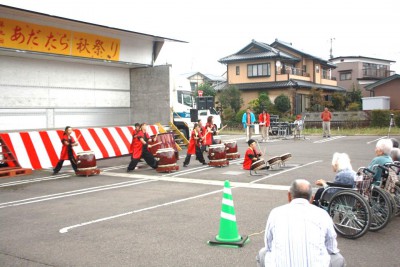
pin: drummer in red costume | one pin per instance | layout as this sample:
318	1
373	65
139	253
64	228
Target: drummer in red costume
194	147
134	135
140	149
211	130
66	152
252	155
203	132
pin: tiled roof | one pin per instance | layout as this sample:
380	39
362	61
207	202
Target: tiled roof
220	86
266	52
289	46
372	86
290	83
211	77
215	78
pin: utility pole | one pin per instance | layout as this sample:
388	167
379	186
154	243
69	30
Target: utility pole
331	56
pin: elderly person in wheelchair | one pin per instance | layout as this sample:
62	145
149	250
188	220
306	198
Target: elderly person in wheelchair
345	176
382	152
298	126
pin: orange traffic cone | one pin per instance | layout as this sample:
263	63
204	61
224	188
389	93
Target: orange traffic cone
228	231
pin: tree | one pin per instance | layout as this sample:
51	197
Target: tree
338	101
282	103
316	100
262	102
207	89
231	97
354	96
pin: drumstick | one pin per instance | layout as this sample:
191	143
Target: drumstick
222	128
258	146
156	144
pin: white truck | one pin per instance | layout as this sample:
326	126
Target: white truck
183	102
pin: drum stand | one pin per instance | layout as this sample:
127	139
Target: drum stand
89	172
256	172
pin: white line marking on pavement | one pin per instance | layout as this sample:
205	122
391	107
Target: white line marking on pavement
55	177
373	141
197	169
182	180
295	168
198	181
328	139
71	193
66	229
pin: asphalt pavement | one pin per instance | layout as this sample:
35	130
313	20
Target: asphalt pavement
145	218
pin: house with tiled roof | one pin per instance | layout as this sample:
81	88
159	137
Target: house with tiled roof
390	87
197	78
279	68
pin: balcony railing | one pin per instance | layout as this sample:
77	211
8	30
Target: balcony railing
327	75
377	73
294	71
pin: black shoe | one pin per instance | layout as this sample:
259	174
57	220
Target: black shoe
128	170
54	173
329	136
204	163
185	165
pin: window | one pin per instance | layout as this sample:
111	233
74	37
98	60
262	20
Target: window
258	70
237	70
193	86
345	76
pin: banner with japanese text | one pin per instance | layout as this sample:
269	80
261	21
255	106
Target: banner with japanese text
39	38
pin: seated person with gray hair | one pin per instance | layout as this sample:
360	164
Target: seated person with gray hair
382	151
299	234
344	177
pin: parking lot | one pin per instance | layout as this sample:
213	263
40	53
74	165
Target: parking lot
145	218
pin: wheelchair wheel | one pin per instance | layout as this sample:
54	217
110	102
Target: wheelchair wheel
393	205
351	214
396	196
380	208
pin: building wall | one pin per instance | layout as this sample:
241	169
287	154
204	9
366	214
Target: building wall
347	84
242	78
151	94
391	89
45	94
133	48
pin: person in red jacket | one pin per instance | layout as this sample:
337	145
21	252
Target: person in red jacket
194	147
264	122
326	117
66	152
211	130
251	155
134	135
140	149
203	132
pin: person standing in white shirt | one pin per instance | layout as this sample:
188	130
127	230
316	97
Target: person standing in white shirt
300	234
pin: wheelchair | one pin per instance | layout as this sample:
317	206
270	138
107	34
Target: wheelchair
350	212
378	199
389	183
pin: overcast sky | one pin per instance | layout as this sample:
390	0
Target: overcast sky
218	28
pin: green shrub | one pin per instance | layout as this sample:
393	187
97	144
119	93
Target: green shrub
239	115
282	103
381	118
354	106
